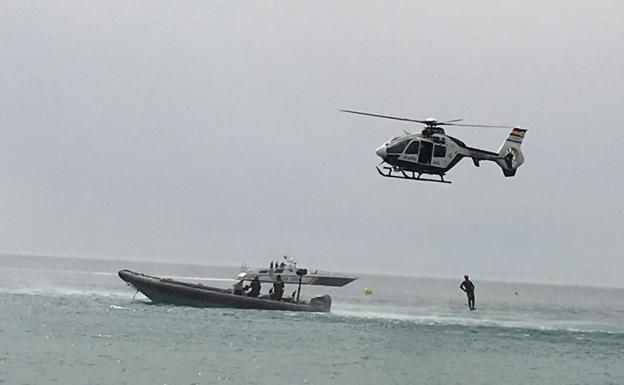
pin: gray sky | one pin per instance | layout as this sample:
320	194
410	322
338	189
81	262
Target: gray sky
209	132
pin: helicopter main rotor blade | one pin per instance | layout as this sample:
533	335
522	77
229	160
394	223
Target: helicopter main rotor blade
385	116
430	122
473	125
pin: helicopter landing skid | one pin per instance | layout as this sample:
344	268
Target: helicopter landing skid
405	175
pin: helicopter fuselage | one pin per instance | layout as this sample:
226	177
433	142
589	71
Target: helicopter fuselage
433	152
428	153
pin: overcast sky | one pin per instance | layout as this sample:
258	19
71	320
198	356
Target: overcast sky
209	132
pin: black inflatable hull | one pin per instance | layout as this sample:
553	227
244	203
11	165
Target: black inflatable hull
162	290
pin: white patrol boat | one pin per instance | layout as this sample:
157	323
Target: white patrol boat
287	269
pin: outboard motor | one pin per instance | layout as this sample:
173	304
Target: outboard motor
323	302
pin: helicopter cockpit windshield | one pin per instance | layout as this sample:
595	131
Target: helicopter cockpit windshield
397	147
393	140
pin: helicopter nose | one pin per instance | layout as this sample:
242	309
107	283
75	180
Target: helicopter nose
381	152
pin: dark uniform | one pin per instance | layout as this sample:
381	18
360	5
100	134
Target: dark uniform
468	287
278	288
255	288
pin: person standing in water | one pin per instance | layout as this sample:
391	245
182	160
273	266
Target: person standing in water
468	288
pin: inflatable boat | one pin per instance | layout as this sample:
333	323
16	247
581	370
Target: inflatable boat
169	291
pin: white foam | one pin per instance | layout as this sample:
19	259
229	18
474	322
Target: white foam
477	320
59	291
107	273
58	271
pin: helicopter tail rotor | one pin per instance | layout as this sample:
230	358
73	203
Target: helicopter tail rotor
510	154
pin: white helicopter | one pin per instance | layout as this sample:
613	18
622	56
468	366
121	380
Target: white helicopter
433	152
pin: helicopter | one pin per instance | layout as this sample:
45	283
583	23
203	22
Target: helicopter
432	152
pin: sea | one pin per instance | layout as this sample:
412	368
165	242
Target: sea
73	321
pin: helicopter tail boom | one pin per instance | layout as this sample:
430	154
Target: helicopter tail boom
510	154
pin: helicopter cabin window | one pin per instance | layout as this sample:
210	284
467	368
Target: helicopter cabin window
439	151
413	147
397	147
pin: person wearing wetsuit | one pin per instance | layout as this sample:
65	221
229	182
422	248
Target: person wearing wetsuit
468	288
255	287
278	288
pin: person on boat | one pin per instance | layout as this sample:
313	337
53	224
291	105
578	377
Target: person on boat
255	287
468	288
238	288
271	265
278	288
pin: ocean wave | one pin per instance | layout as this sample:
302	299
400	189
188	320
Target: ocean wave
108	273
59	291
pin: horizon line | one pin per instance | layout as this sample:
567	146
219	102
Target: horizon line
389	274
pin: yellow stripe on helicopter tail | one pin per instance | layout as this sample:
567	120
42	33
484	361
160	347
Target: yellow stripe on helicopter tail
519	132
